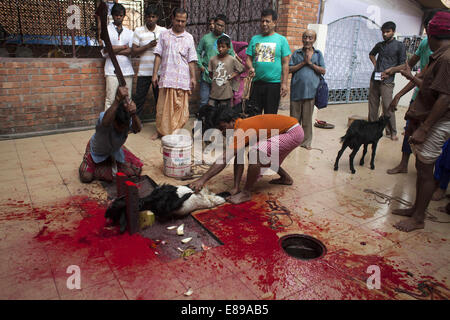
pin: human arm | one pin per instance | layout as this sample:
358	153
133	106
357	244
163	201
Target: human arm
417	79
393	70
110	114
193	81
401	93
284	76
156	65
136	125
373	59
249	62
439	109
138	50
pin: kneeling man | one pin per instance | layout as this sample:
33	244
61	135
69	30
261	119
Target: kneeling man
281	134
105	154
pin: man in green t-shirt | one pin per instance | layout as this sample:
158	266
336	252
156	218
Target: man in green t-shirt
268	61
207	48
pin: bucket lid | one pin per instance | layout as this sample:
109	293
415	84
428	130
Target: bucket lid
176	141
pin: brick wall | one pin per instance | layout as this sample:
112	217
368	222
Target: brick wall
49	94
294	17
52	94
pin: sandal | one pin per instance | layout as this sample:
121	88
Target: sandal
323	124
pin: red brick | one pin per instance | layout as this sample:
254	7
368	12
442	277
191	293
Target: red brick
72	83
48	84
62	77
41	78
48	71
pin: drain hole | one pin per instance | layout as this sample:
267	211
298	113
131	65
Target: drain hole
302	247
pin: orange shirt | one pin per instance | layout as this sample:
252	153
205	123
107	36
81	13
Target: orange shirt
255	127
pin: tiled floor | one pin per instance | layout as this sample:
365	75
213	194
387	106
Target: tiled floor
50	221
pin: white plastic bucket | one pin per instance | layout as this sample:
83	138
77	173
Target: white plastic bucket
177	155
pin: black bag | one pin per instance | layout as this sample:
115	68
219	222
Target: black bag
321	100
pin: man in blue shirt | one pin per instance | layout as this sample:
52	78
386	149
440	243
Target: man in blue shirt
306	65
386	54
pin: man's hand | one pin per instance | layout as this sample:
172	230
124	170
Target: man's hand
192	85
155	81
152	44
386	73
283	90
393	104
197	185
418	136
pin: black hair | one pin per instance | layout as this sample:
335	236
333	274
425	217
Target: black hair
388	26
224	115
211	18
122	116
221	17
179	11
269	12
224	40
118	9
151	9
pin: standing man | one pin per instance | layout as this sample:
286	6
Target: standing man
268	61
144	42
306	65
390	53
429	119
207	48
176	56
121	40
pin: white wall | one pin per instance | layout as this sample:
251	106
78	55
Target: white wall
406	14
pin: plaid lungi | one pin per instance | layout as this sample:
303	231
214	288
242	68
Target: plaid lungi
103	170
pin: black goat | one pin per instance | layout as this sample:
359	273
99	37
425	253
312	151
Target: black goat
362	132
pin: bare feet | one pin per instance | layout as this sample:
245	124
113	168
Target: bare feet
404	212
284	181
234	191
155	136
409	225
439	194
398	169
242	196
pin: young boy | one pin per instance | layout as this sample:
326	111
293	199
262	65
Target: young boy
223	69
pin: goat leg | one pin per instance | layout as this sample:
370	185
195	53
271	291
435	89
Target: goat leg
352	156
374	149
361	162
336	163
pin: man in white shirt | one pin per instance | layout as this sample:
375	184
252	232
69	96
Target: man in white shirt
121	40
145	39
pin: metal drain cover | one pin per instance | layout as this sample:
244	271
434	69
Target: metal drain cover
303	247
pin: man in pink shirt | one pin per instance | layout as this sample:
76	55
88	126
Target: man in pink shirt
175	58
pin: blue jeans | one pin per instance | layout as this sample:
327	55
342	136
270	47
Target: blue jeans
205	88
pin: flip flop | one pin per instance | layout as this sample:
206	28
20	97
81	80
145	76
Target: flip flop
323	124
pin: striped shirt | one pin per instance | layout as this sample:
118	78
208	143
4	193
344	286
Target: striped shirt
176	52
141	37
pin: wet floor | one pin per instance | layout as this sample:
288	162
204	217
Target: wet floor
50	221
